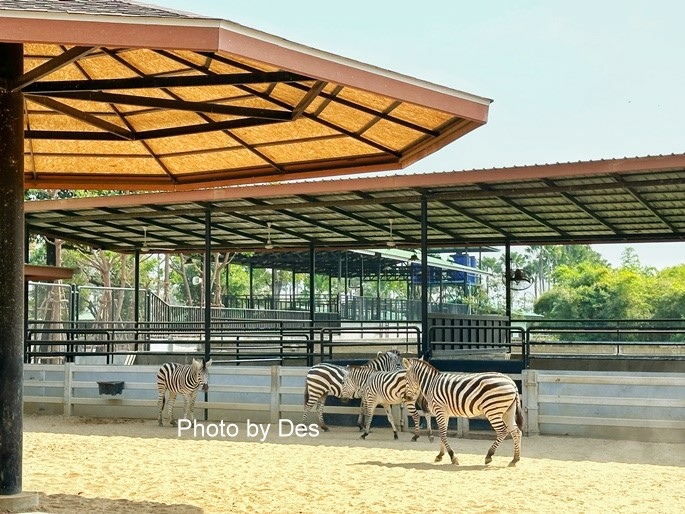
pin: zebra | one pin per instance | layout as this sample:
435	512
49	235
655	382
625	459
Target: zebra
467	395
325	378
183	379
380	387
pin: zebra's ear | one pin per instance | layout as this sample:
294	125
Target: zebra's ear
405	362
208	363
196	363
379	354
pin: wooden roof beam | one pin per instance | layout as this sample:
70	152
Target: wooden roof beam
233	79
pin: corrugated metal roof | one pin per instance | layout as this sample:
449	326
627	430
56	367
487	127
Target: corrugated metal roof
632	200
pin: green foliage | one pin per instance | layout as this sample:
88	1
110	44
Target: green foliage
596	291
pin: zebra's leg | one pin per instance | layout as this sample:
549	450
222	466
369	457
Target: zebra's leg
189	411
170	408
516	436
391	419
319	412
442	420
429	424
512	428
501	430
411	409
308	407
360	418
367	410
505	425
160	405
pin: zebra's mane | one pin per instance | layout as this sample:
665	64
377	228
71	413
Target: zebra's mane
426	365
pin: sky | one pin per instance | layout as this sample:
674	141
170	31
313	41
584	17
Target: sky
570	81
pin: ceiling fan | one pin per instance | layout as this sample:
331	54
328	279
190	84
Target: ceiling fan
518	280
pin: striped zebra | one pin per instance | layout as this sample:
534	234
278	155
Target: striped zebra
468	395
324	379
380	387
183	379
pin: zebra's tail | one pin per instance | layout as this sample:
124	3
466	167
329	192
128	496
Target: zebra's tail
519	413
306	395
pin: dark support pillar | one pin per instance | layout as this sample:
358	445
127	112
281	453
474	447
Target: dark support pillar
425	340
378	287
251	298
207	282
507	281
50	252
312	304
11	277
136	295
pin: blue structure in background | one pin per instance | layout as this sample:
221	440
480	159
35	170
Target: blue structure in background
438	275
464	277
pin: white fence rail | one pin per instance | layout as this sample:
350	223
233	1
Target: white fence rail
643	406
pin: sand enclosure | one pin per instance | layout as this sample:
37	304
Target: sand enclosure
81	465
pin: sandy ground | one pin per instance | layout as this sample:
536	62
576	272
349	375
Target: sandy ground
131	466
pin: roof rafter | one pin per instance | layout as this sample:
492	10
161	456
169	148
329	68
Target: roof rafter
151	82
50	66
173	104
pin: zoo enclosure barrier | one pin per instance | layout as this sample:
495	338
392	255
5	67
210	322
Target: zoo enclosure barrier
617	405
292	341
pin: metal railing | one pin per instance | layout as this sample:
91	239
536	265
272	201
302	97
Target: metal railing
408	335
294	337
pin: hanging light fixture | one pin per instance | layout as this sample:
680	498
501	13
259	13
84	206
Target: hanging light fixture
269	245
144	248
391	241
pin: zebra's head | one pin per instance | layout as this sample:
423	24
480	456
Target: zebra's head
350	385
386	361
413	389
200	372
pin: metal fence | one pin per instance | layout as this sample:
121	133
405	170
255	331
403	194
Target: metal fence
644	406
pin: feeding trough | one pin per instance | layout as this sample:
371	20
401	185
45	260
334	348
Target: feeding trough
110	388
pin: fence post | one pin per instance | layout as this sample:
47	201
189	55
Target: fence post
67	388
275	410
462	427
530	402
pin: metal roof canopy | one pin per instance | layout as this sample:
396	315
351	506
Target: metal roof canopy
618	200
120	95
385	263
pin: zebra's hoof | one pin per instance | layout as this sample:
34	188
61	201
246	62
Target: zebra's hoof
512	464
394	436
173	423
363	436
488	460
325	428
438	458
415	438
430	438
455	461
